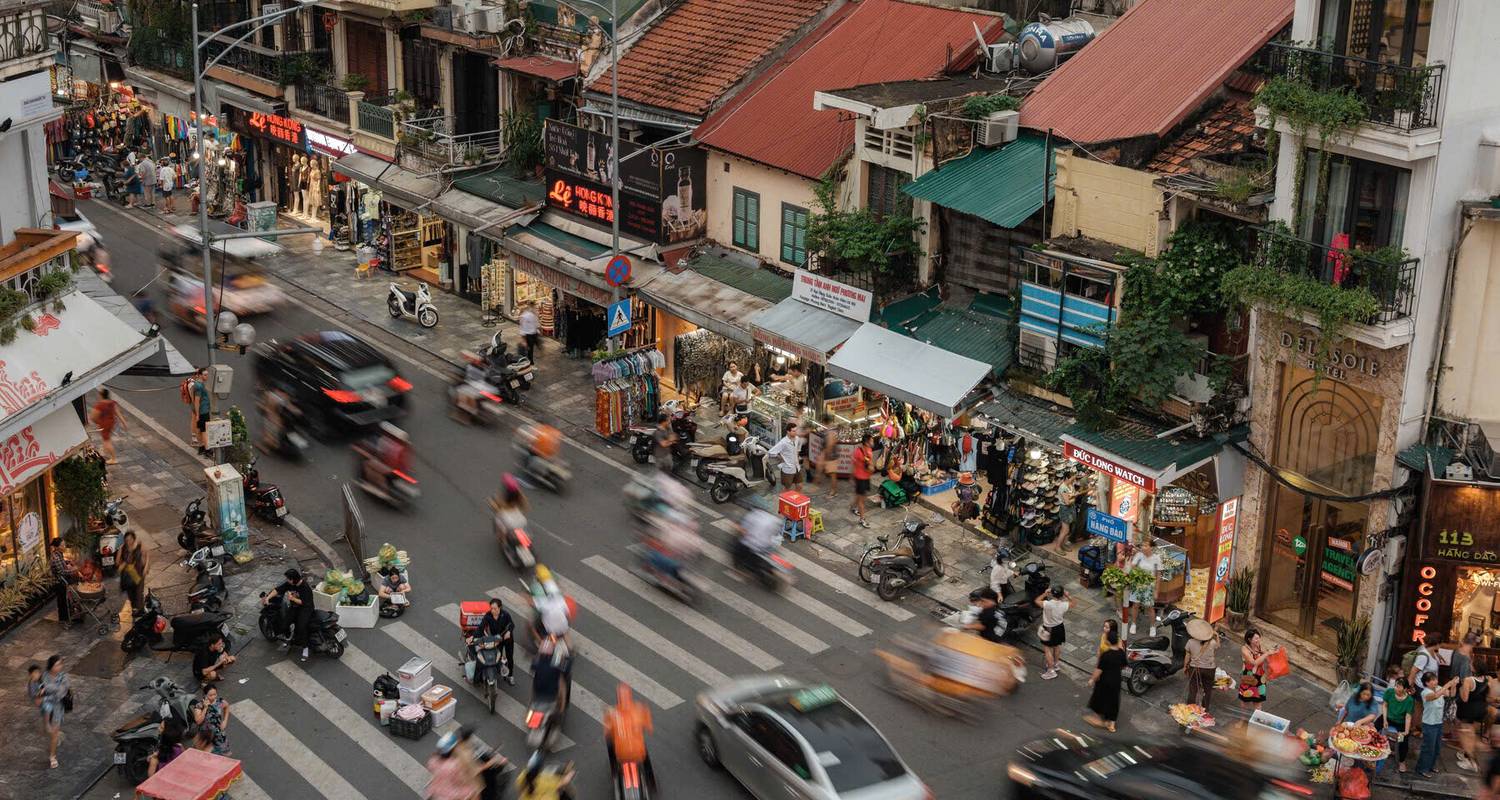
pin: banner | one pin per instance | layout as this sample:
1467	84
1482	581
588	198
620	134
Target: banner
1125	500
1218	580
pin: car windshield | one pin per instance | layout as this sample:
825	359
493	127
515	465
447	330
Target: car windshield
852	752
367	377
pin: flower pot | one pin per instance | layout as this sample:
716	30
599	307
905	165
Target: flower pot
1235	619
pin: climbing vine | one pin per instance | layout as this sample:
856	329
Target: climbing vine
885	245
1332	113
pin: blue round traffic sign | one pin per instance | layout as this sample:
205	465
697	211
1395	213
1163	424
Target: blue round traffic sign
618	271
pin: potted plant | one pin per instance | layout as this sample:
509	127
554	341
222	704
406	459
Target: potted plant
79	483
355	82
1409	95
1237	600
1353	644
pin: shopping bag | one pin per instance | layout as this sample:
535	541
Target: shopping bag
1277	665
1340	695
1354	785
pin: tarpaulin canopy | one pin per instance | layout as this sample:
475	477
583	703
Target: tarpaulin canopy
905	369
802	330
192	775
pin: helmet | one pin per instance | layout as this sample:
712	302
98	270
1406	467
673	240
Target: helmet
448	741
511	486
542	573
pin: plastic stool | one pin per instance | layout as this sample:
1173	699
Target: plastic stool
814	522
793	529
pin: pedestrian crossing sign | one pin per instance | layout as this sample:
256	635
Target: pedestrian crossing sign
619	318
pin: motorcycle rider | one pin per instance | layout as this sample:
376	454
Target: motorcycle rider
552	612
989	615
456	773
465	389
1001	573
497	622
390	452
278	411
551	671
296	607
510	506
625	729
759	533
672	541
542	442
537	783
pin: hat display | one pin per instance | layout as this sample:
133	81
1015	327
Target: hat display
966	479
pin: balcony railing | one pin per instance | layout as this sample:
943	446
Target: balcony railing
426	136
375	116
276	66
329	102
1405	98
1392	282
23	33
159	53
98	16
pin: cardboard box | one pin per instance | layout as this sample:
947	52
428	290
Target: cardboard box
413	695
415	672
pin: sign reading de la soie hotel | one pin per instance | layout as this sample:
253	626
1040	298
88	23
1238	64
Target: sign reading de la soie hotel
1460	533
662	190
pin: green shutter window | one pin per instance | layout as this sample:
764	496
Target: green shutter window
793	235
746	220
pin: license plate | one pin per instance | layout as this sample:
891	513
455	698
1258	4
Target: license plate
281	511
108	561
530	376
514	383
340	635
119	757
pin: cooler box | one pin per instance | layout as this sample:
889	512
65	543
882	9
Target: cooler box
793	506
442	713
435	696
415	672
413	695
471	612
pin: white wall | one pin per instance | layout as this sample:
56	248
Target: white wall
774	187
26	101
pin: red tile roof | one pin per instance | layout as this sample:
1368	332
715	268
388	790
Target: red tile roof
1152	68
871	41
545	67
688	60
1227	130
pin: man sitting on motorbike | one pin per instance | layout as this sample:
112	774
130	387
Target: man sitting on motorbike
390	452
466	388
551	669
552	613
497	622
510	506
544	442
277	409
625	729
759	533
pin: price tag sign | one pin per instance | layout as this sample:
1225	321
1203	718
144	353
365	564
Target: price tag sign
219	433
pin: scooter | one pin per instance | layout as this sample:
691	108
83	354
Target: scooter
773	571
1018	610
412	305
139	738
498	358
484	397
400	490
678	578
116	525
898	570
515	545
708	453
195	533
264	499
727	480
324	634
487	667
208	592
1154	658
549	472
189	631
544	720
633	780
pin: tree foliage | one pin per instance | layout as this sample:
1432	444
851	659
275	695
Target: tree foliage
860	239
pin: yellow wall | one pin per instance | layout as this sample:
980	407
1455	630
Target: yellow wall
1113	204
774	187
1470	388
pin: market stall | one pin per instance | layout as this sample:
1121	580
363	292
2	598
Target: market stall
192	775
626	391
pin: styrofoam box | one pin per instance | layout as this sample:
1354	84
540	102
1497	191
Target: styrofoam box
413	695
322	601
415	672
442	713
358	616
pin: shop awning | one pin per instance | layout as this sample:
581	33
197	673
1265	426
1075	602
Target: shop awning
570	262
905	369
166	362
223	93
166	84
802	330
554	70
459	205
405	187
1002	185
42	444
705	302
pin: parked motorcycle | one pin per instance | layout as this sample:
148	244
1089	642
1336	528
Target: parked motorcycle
730	451
1018	610
73	169
499	359
189	631
208	592
195	533
324	634
898	569
1155	658
263	499
412	305
725	480
139	738
116	525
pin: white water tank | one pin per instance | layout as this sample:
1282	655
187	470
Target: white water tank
1047	43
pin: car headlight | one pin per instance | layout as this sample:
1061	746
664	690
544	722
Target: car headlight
1024	776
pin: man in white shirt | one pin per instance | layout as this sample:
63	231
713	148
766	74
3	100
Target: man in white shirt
166	181
785	455
146	170
530	330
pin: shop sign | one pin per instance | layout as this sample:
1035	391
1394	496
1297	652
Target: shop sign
29	532
1117	471
1218	581
1342	363
1422	602
1125	500
1107	525
328	143
830	295
592	201
1338	565
561	280
1462	524
278	128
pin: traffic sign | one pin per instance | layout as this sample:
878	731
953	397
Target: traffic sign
619	318
618	272
1107	525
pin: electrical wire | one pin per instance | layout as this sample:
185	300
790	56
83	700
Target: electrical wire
1276	475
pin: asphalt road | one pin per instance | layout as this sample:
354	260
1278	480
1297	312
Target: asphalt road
306	731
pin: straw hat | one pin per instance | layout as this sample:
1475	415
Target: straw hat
1200	630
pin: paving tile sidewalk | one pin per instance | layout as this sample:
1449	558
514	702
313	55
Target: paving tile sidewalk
158	480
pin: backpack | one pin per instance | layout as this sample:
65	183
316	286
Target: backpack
386	688
185	391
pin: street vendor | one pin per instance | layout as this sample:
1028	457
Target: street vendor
1363	708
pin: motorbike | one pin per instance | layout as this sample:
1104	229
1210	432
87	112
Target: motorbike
263	499
116	525
904	539
324	634
549	472
1018	610
633	780
73	169
208	592
412	305
1152	659
773	571
725	480
487	667
189	631
499	358
731	451
400	490
515	545
657	567
138	739
292	441
195	533
486	397
544	719
898	569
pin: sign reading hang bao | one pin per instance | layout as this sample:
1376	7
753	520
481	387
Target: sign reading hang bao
829	295
1463	524
282	129
1145	483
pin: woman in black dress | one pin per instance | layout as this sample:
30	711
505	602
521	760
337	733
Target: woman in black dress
1104	703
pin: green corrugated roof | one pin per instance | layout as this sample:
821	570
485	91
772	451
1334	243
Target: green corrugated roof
763	283
1003	186
899	313
499	185
978	336
567	241
1415	457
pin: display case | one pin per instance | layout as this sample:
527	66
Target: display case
1172	580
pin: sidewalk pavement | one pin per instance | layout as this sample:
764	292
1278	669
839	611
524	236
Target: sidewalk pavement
158	479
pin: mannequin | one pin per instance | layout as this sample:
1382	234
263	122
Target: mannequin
299	186
317	184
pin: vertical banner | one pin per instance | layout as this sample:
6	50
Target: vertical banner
1124	500
1218	580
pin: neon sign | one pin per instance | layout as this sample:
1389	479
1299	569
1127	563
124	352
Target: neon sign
282	129
582	200
1425	589
639	216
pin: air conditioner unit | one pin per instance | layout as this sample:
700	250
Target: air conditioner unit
998	128
470	16
999	57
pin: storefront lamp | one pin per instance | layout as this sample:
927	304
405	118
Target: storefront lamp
1036	454
223	161
195	155
226	322
244	334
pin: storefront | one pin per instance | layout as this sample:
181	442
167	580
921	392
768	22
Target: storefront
1452	580
285	169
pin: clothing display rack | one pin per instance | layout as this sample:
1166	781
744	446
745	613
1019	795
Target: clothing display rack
700	358
627	390
642	361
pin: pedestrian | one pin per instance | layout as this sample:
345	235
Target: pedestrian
1202	662
204	740
1253	656
1491	788
1104	702
456	775
1473	698
784	455
1144	598
166	183
1434	698
727	384
170	733
59	565
216	718
829	457
132	178
665	441
202	408
147	170
210	660
1109	625
530	329
739	396
53	695
863	467
1053	635
106	415
1399	705
1422	662
133	566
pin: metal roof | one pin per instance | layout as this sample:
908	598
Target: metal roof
545	67
499	185
1002	186
707	303
794	324
729	267
905	369
982	337
772	120
1152	68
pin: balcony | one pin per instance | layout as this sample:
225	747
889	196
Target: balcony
375	122
426	139
99	17
155	52
24	43
1385	273
269	69
328	102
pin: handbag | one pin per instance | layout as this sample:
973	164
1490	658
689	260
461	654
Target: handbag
67	701
1044	635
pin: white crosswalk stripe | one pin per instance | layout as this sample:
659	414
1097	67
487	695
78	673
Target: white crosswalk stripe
374	741
246	789
850	589
707	627
801	599
443	661
290	749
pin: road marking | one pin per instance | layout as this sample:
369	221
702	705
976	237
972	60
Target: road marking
246	789
801	599
362	665
713	630
511	709
643	684
844	587
375	743
288	748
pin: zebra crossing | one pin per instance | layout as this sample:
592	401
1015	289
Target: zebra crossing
314	733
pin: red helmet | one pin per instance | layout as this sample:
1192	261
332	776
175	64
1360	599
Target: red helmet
511	486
